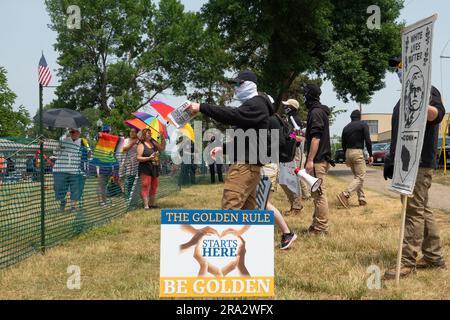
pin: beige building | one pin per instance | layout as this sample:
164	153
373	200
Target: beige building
380	125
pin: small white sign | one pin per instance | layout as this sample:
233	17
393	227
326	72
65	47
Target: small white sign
289	178
181	116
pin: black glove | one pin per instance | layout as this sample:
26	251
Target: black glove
388	170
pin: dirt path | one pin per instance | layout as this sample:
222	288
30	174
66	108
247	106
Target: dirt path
439	195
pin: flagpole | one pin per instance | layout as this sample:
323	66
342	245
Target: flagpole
42	175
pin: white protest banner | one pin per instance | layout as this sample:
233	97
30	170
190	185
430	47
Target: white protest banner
216	253
417	44
288	177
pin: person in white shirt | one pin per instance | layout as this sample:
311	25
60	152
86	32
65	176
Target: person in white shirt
67	171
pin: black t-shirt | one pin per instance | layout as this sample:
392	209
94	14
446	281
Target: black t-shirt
429	150
355	134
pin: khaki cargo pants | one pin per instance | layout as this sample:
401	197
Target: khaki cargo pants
239	191
354	158
320	215
306	191
421	230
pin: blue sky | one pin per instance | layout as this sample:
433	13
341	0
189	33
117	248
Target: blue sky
24	33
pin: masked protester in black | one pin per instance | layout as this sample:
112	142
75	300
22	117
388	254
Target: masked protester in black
421	229
318	150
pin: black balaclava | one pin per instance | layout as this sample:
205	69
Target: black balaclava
356	115
311	92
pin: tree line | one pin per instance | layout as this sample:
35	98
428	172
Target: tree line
127	52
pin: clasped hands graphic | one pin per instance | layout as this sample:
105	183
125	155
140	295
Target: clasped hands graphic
205	265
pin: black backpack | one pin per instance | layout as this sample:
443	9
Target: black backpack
287	145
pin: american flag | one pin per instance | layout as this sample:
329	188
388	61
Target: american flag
44	72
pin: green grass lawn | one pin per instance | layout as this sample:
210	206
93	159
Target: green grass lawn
121	260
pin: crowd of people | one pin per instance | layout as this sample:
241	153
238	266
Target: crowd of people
121	161
257	112
115	160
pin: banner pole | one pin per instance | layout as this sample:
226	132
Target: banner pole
444	143
400	242
41	174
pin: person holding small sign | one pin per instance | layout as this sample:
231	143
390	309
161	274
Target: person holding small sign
251	116
421	230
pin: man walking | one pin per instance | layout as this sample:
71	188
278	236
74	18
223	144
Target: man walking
354	136
318	151
421	230
244	175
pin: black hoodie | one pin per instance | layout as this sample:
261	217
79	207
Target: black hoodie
318	126
252	114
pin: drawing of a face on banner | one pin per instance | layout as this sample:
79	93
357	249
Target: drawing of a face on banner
414	96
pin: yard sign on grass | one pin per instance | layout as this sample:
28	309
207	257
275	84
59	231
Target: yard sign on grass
216	253
417	44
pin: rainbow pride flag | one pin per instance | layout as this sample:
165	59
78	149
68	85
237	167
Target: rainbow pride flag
105	149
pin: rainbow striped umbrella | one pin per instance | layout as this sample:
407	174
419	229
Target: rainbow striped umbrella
152	122
141	125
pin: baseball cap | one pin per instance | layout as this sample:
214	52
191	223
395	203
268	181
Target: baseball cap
106	128
75	129
246	75
291	102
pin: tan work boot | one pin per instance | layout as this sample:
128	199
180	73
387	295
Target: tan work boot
311	231
404	272
424	264
343	200
362	202
293	212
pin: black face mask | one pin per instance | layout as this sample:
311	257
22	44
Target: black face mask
289	110
310	100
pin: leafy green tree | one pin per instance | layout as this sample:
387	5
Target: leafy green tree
208	82
280	40
124	54
336	144
12	123
295	92
356	61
